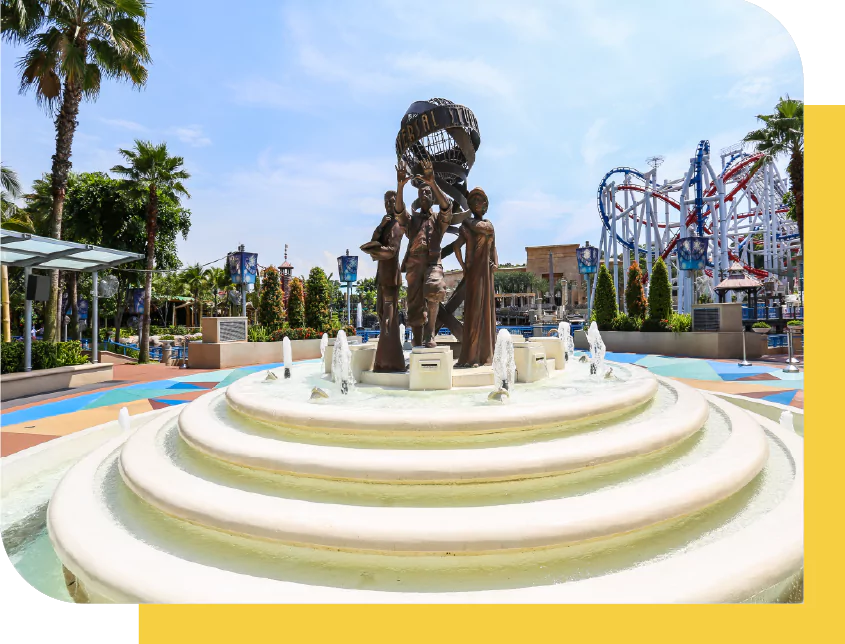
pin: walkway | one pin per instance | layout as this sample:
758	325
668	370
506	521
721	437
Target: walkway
141	388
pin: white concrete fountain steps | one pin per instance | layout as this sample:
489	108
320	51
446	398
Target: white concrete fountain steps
117	565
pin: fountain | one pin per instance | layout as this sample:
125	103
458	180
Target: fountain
787	422
564	333
504	367
342	363
123	419
359	317
402	336
597	351
287	356
324	342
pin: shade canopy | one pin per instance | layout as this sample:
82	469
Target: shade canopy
737	280
25	250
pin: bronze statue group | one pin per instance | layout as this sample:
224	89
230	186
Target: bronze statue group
423	270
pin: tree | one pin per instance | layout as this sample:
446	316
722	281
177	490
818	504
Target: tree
151	172
98	210
367	291
317	300
11	191
605	304
218	280
783	134
194	280
271	305
660	295
71	45
519	282
296	304
635	300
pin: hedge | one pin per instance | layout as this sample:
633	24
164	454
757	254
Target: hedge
45	355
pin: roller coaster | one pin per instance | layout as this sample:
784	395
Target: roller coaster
740	210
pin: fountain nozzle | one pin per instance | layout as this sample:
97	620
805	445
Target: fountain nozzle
344	387
287	373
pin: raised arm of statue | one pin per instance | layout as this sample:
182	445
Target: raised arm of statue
399	208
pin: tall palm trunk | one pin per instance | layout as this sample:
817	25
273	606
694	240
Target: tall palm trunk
65	128
152	225
7	317
796	180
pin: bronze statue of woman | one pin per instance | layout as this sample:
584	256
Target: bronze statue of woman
477	234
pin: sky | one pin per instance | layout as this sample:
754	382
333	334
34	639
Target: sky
286	112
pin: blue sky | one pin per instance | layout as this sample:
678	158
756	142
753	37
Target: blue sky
286	113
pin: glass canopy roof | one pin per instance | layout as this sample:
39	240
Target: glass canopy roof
23	249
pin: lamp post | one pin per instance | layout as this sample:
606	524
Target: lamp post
692	256
588	262
243	267
347	270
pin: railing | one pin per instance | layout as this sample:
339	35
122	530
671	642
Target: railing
773	313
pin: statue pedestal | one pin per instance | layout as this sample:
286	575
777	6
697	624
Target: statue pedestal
554	349
530	361
431	369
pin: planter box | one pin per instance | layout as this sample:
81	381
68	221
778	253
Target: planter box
724	345
42	381
225	355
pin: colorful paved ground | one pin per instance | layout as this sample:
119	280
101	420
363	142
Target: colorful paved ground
141	388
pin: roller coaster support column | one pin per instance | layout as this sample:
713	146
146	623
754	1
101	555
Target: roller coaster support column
612	208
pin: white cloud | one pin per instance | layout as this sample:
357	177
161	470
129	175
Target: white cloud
192	135
474	74
752	91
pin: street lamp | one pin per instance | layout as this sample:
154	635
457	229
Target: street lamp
347	270
243	267
588	264
692	256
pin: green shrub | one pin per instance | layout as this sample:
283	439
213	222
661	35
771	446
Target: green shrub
317	300
652	325
11	357
680	322
167	336
795	323
605	307
624	322
760	325
258	334
301	333
271	303
635	299
45	355
296	304
660	292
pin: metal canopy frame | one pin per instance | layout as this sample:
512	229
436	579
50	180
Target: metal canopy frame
27	251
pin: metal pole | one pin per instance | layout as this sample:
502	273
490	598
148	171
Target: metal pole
589	298
27	325
243	299
791	361
95	321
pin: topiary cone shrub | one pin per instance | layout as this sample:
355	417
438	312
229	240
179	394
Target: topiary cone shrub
296	304
635	298
317	300
605	304
660	295
271	303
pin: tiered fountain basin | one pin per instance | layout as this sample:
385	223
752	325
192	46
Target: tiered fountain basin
577	489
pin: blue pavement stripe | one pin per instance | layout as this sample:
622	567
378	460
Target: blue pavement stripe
783	397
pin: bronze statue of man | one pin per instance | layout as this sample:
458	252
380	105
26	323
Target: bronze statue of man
384	248
422	264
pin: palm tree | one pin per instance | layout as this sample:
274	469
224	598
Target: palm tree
8	209
194	278
151	172
783	133
11	191
218	279
70	45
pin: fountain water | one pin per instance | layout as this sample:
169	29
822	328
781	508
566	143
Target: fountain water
597	350
287	356
324	342
504	366
787	421
123	419
402	333
564	332
359	317
342	363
